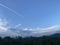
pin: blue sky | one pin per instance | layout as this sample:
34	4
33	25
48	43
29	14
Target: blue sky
36	13
30	15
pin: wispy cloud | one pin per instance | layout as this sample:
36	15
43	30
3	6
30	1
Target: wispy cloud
3	24
17	26
5	30
27	29
47	31
40	31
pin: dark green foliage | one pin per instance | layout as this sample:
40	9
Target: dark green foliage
45	40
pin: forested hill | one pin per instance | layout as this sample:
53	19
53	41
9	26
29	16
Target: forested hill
45	40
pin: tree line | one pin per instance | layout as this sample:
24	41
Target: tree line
30	40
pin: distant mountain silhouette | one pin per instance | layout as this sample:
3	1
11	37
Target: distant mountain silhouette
56	35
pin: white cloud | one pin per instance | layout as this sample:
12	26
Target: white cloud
39	31
4	29
27	29
17	26
46	31
3	24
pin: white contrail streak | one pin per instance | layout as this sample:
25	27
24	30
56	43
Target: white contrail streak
11	10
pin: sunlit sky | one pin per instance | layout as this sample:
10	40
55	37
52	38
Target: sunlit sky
33	13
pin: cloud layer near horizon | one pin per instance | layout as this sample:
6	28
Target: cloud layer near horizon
5	30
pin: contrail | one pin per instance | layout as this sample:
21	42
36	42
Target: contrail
11	10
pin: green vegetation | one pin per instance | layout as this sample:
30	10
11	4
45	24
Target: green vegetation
30	41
